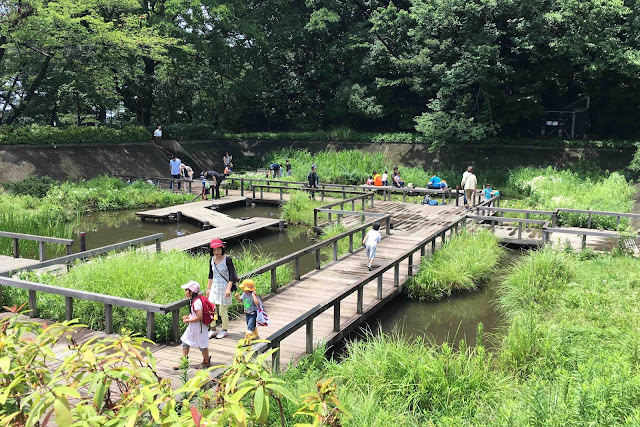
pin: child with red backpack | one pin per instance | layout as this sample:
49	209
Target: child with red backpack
201	315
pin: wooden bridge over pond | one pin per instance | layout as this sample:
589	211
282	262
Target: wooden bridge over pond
336	297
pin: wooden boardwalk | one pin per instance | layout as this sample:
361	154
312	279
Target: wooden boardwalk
202	212
197	240
9	263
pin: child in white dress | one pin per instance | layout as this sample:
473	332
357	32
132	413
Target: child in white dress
197	333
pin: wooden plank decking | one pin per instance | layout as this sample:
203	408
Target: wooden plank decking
197	240
9	263
199	211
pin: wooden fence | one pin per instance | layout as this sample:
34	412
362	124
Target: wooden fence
40	239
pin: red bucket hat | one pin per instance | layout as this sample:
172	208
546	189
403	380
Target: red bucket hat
216	243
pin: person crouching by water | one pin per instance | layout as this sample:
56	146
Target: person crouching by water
250	301
217	180
222	276
196	334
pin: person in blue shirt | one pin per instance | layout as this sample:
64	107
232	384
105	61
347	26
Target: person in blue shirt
436	183
488	192
174	166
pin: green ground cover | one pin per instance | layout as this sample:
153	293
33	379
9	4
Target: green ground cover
152	277
55	213
569	356
464	262
299	208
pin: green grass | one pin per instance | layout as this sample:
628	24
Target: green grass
152	277
569	356
465	261
299	208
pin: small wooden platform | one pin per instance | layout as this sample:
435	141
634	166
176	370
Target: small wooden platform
197	240
9	263
202	211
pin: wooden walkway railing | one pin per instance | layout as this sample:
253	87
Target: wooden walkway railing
40	239
306	319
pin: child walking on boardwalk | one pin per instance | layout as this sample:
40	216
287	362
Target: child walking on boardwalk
250	301
197	333
370	242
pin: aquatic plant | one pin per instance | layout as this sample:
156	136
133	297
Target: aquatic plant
299	208
144	276
464	262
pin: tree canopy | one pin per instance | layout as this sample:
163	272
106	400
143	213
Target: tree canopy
450	69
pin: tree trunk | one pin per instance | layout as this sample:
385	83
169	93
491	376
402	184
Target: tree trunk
15	113
147	90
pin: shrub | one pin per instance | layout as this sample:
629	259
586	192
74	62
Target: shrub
45	135
464	262
33	185
299	208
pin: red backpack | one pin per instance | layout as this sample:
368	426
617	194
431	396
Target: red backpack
208	310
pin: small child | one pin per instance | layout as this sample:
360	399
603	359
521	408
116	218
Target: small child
370	242
488	192
385	179
197	334
251	302
370	180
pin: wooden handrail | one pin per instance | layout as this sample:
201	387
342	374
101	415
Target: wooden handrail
507	219
276	338
46	239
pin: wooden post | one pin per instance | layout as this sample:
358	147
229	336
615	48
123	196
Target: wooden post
158	245
359	308
296	268
433	246
68	308
410	265
588	223
41	250
335	250
526	224
254	192
329	217
274	283
322	194
519	231
353	205
350	243
442	235
617	222
554	217
16	247
151	326
336	317
457	195
396	275
317	259
281	226
242	187
315	217
344	195
108	319
404	196
69	250
423	250
275	357
309	336
443	197
362	202
280	193
261	193
584	241
388	226
373	196
190	188
379	287
32	304
178	216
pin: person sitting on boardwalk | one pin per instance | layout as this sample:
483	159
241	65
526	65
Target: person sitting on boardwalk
196	334
397	181
250	301
228	169
313	180
217	180
435	183
222	276
369	180
377	179
370	242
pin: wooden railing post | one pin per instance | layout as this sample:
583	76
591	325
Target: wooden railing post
108	319
350	243
253	189
33	309
41	250
336	317
261	193
410	265
317	259
433	246
360	304
315	217
296	268
158	245
151	325
16	248
274	283
396	275
241	186
388	226
68	308
379	287
373	197
275	357
423	250
335	250
554	217
309	336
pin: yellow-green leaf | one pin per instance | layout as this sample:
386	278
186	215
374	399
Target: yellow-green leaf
63	411
5	363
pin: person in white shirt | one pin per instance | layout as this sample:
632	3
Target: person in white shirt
385	179
470	184
464	175
370	242
157	134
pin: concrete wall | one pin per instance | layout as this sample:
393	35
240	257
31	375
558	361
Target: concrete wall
87	161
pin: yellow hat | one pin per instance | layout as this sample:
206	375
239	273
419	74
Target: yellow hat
248	285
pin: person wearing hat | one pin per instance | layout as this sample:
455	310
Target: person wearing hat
313	180
250	301
222	276
196	334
